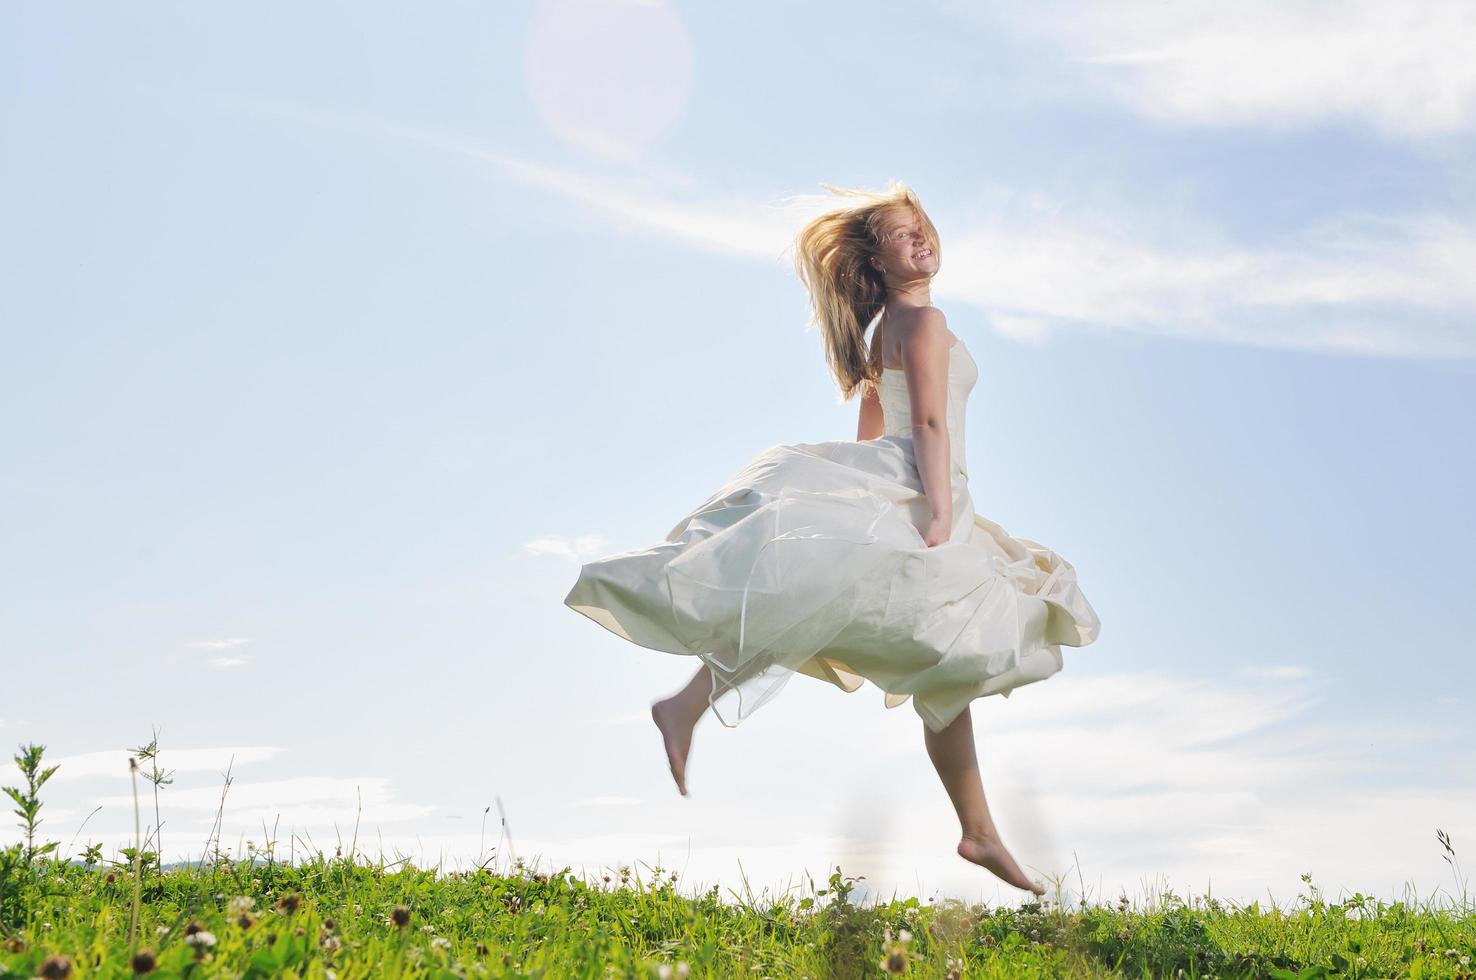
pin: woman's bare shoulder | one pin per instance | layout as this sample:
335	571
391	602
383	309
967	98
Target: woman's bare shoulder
918	328
924	326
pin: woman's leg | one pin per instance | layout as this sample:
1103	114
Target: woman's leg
952	752
676	716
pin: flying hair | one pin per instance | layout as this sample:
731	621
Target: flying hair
832	255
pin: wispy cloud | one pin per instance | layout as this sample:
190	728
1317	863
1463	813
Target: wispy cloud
1234	786
575	548
664	203
114	762
1277	672
1403	68
1034	265
1241	783
228	662
224	644
304	801
1339	286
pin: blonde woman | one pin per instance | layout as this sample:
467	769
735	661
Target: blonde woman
855	561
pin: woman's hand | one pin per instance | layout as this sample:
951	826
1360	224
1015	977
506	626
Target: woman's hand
938	531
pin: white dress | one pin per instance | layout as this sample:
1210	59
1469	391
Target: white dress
811	559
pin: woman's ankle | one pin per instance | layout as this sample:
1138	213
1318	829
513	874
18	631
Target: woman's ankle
983	835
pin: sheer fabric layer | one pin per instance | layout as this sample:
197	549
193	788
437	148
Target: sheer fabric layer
809	560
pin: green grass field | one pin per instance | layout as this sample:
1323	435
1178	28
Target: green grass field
345	916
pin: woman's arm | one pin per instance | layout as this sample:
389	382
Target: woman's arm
925	351
870	424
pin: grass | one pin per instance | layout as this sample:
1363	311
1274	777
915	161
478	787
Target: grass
347	916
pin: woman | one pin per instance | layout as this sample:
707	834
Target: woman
854	561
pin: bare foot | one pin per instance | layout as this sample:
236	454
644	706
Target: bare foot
678	739
990	853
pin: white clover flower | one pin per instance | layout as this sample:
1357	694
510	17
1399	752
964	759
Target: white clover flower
682	969
332	942
161	930
201	938
663	972
240	905
440	942
904	936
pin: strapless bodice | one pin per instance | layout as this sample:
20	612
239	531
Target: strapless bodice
897	408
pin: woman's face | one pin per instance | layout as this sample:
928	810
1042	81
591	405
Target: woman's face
905	254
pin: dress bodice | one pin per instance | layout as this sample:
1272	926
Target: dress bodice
897	407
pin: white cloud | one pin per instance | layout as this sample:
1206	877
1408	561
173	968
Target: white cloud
228	661
225	644
303	801
575	548
1193	784
1025	329
114	762
1032	265
1310	292
1190	783
1201	780
1404	68
729	227
1277	672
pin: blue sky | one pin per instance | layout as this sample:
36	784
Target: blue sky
337	336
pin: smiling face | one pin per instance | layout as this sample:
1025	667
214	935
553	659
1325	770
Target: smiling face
906	253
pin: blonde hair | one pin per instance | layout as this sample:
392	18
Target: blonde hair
833	259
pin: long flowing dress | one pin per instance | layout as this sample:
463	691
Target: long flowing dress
810	559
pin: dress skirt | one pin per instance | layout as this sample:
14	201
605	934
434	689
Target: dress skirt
810	559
